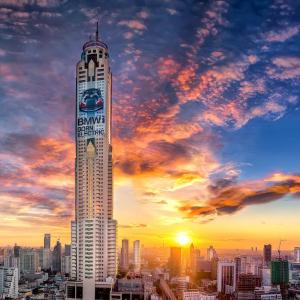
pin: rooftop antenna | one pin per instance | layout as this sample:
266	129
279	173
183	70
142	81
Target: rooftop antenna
97	33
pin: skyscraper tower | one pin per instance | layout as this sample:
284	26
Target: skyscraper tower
137	256
267	255
47	241
124	259
94	230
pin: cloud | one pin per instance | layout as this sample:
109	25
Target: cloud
130	226
287	68
229	197
41	3
133	24
282	35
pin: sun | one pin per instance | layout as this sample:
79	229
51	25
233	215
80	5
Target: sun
182	238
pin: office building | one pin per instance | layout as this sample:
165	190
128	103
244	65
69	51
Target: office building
226	277
67	250
175	261
124	258
238	267
46	264
266	276
297	254
193	260
279	272
47	241
29	260
94	229
137	256
56	257
267	293
211	253
198	295
246	285
66	264
66	260
267	255
16	250
9	282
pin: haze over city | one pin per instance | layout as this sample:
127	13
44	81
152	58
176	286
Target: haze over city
205	119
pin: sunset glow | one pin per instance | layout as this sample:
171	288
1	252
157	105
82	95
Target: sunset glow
182	239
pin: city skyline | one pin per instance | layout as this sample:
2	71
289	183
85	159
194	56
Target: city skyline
204	129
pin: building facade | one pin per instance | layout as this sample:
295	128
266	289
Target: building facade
47	241
137	256
93	234
267	255
8	283
175	261
124	259
56	257
297	254
226	277
29	260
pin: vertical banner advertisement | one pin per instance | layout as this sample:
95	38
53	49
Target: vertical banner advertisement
90	113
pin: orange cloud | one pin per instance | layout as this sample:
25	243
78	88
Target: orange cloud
229	197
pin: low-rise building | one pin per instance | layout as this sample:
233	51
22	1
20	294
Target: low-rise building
198	295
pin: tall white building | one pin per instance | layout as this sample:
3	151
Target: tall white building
137	256
226	277
94	230
9	282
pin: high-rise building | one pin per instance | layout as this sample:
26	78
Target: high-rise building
280	275
94	230
297	254
29	260
267	254
73	271
17	250
238	267
175	261
266	276
226	277
211	253
46	264
56	257
279	272
124	259
9	283
137	256
47	241
67	250
66	260
246	285
192	259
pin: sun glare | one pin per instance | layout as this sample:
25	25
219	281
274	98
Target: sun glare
182	238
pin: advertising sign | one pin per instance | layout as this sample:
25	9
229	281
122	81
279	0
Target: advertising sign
90	113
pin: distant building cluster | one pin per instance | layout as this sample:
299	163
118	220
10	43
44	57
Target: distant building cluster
125	264
158	273
26	271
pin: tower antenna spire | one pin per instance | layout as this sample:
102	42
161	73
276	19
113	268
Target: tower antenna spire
97	32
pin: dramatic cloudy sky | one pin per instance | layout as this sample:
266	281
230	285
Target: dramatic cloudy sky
205	112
